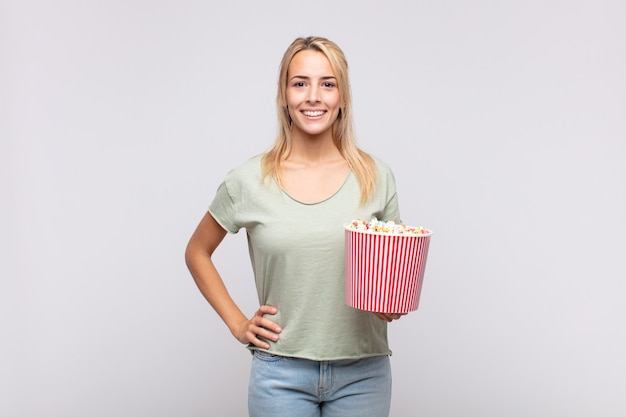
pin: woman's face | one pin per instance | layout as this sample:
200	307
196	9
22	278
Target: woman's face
312	93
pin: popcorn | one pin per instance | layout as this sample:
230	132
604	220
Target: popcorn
387	227
385	265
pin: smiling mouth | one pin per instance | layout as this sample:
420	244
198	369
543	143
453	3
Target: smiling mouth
316	113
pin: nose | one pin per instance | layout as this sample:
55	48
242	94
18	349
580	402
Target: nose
313	94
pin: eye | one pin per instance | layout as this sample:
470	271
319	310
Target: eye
328	84
299	84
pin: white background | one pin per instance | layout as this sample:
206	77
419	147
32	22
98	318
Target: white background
504	122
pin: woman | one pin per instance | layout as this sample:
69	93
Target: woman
313	355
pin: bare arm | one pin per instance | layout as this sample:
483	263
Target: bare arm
206	238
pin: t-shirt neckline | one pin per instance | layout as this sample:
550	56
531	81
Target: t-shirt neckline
330	197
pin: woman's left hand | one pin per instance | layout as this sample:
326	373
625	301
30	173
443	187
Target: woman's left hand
389	317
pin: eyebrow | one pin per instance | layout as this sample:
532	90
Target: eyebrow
304	77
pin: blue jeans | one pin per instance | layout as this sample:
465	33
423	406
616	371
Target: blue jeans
289	387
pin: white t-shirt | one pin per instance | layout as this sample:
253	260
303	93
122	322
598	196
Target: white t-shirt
297	252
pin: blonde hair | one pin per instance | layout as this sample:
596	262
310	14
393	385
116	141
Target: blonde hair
361	163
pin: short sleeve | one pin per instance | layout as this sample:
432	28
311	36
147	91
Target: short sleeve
392	210
388	182
223	209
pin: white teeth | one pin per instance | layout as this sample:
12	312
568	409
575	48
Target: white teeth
313	113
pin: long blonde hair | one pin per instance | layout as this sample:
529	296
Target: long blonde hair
361	163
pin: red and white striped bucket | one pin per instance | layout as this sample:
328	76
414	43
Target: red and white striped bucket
384	272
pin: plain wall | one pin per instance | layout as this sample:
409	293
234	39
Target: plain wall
504	123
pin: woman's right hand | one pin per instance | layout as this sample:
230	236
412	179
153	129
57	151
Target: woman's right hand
259	326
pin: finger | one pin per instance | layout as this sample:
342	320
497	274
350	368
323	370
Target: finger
383	317
259	336
271	326
266	334
260	320
260	330
256	341
389	317
265	309
265	323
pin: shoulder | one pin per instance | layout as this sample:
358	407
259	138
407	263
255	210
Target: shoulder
382	165
243	178
384	171
250	170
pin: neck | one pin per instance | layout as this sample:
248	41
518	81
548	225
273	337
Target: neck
313	148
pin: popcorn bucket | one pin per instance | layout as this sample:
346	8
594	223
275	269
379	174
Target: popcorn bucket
384	271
